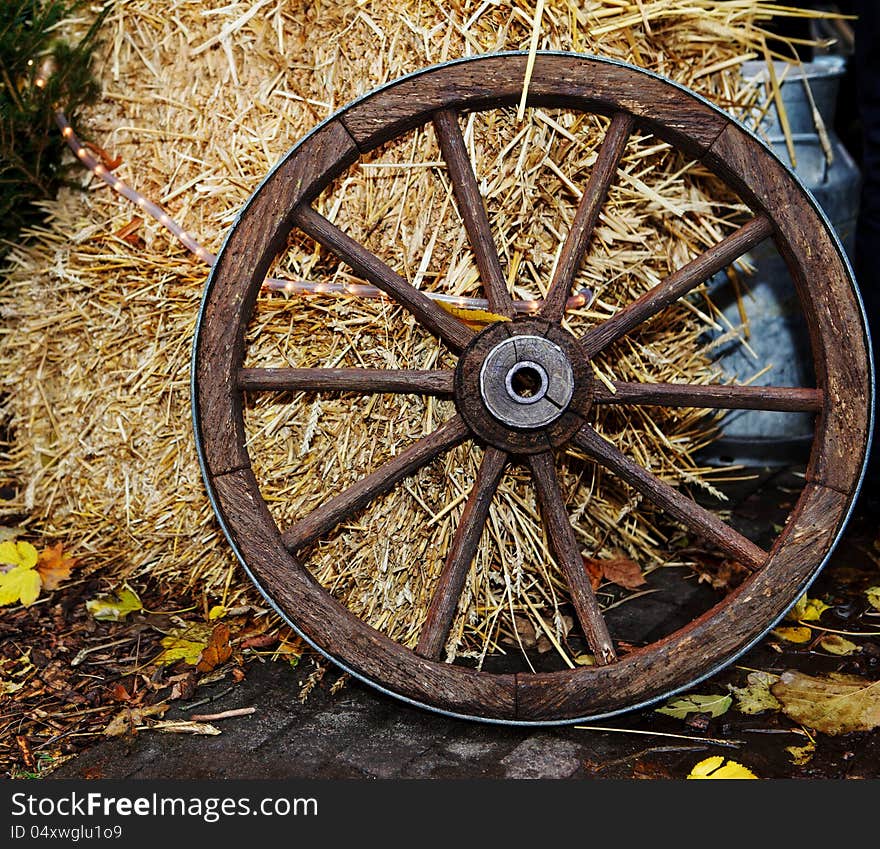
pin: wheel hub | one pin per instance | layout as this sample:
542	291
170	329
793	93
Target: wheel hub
526	381
524	385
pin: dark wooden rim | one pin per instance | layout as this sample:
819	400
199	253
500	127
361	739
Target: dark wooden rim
783	209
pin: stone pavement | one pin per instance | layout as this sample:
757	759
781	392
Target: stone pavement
361	733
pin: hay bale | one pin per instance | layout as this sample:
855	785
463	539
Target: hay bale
200	103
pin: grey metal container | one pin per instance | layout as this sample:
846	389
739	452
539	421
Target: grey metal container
777	334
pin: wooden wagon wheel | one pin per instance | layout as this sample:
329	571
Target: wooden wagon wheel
524	388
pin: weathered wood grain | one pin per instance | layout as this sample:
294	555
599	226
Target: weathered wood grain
783	399
447	592
359	380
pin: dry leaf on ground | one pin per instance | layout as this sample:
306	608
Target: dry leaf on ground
712	768
217	650
129	720
756	697
622	571
109	608
712	705
19	581
833	704
794	634
53	566
835	644
807	610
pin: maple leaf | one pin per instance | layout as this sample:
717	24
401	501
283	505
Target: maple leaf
110	608
680	708
19	582
712	768
217	650
834	704
756	697
53	567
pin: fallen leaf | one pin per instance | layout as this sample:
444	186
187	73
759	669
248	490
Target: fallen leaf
585	660
119	694
807	610
217	650
756	697
835	644
18	554
680	708
873	594
53	567
8	687
218	611
594	571
476	319
21	584
794	634
619	570
801	755
129	720
109	608
623	572
834	704
712	768
178	648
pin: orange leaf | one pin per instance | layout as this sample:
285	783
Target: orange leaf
217	651
594	570
623	572
53	567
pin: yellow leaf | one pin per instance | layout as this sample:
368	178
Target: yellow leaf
756	697
110	608
835	644
873	594
833	704
807	610
712	768
801	755
681	707
218	611
177	648
798	634
585	660
18	554
473	318
20	584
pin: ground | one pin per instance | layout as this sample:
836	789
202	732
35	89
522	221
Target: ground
304	722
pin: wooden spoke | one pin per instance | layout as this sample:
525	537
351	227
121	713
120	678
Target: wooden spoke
712	396
472	210
444	602
587	215
358	495
679	506
363	380
370	267
678	284
568	555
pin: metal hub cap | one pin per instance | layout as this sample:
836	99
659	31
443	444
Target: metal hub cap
526	381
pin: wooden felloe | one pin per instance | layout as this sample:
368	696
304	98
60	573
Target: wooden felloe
622	677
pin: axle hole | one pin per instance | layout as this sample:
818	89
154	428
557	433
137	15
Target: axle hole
526	382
